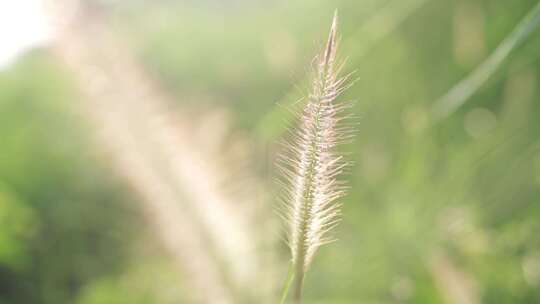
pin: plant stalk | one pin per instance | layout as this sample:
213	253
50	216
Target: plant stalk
288	282
298	284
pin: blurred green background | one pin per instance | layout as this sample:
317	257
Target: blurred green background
439	211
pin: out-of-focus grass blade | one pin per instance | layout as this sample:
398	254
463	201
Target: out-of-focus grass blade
462	91
362	41
382	24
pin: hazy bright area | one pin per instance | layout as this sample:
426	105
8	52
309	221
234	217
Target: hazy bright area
138	142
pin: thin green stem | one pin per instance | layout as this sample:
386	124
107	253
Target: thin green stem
288	282
298	285
461	92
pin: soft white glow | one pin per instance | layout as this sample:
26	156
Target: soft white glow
23	25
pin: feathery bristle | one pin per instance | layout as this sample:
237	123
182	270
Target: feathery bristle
311	165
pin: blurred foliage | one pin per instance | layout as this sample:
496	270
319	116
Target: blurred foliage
58	210
467	186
